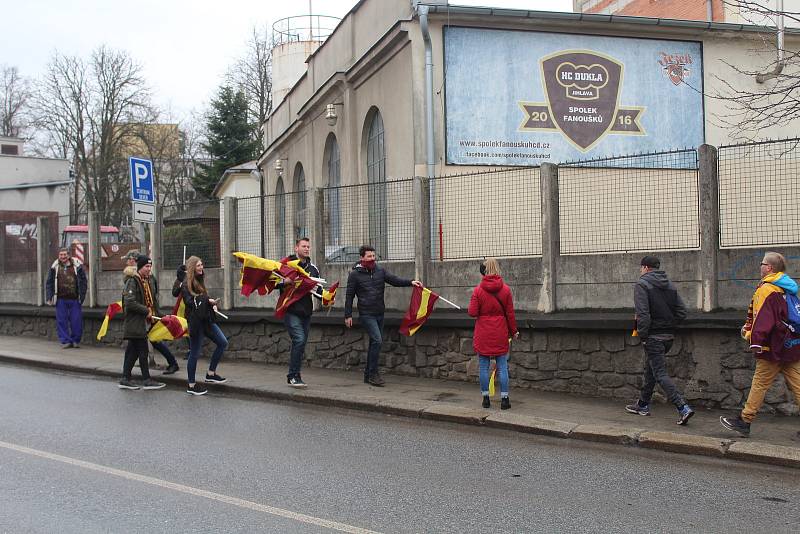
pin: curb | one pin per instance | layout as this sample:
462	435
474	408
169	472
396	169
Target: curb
747	451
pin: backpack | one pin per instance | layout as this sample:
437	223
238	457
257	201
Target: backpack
792	312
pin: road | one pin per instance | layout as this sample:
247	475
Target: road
79	455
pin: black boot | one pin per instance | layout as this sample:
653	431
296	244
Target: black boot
486	402
505	404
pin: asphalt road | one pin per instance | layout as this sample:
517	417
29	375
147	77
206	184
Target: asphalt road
79	455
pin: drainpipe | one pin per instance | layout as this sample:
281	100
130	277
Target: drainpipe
710	10
781	61
426	37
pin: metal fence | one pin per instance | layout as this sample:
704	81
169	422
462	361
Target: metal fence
192	229
493	213
757	187
644	202
381	214
268	226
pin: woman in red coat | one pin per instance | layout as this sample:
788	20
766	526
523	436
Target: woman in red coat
493	306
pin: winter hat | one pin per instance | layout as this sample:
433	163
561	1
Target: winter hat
141	261
651	261
131	255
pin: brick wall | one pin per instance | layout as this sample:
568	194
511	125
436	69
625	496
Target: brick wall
672	9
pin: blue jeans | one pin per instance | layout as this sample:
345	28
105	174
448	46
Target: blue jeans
196	337
162	347
373	324
69	320
502	373
298	330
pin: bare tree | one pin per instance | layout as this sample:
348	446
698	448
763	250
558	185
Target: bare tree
775	101
14	97
87	109
253	74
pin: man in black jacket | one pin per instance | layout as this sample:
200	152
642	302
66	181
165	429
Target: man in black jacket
298	315
658	309
367	281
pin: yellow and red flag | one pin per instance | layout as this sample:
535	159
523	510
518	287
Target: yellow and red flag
492	378
420	308
295	287
180	307
113	309
258	273
168	328
329	295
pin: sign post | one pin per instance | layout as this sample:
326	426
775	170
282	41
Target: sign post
142	194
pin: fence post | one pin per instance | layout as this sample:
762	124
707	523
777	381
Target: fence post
93	256
551	237
42	258
156	240
422	228
228	248
3	244
315	214
708	185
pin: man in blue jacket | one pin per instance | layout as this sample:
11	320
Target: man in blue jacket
66	288
367	281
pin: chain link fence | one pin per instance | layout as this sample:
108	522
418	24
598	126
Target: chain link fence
192	229
757	183
381	214
645	202
493	213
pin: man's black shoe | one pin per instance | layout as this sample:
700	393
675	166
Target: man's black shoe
127	383
376	380
295	382
736	424
172	369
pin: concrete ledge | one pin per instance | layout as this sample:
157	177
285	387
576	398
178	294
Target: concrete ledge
684	443
755	451
407	408
455	414
529	424
606	434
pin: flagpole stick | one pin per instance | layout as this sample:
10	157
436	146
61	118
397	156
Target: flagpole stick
184	254
450	303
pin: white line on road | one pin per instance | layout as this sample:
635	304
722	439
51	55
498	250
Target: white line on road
241	503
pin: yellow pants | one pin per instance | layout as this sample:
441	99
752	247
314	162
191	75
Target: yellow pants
763	378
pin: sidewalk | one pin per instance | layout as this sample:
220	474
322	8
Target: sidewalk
774	438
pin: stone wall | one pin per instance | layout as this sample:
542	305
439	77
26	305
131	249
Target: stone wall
582	354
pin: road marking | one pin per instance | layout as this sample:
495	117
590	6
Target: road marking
234	501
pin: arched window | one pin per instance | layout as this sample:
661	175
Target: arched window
333	170
299	226
376	176
280	219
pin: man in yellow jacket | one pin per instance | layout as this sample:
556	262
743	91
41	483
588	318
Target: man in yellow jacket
775	347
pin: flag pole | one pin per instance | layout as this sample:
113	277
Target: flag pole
450	303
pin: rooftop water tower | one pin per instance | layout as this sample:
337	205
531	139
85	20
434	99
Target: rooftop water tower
294	39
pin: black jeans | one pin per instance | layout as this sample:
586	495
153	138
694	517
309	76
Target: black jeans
162	347
137	348
655	372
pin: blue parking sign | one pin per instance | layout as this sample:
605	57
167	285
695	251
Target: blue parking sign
142	180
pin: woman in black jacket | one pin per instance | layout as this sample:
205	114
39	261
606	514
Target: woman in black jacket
200	315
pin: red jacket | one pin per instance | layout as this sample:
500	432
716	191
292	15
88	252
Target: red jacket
493	327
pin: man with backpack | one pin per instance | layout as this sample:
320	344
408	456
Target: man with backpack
658	309
773	331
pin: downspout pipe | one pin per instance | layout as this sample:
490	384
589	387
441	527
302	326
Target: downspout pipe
781	61
430	156
710	10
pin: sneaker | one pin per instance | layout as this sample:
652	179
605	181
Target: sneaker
486	402
686	413
66	345
152	384
376	380
197	389
215	379
75	346
296	382
736	424
128	384
505	403
638	409
172	369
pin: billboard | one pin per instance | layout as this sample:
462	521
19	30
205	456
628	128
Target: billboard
523	98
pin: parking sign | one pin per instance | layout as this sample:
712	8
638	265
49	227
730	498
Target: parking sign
142	180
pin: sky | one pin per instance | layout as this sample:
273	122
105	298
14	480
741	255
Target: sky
185	47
